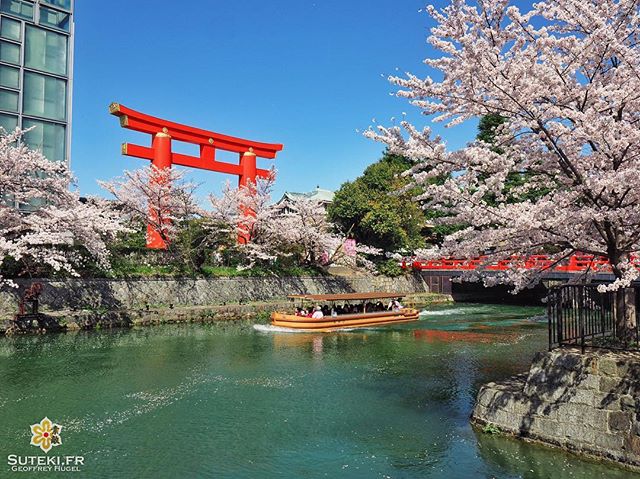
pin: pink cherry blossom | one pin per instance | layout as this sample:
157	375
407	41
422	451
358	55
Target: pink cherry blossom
565	75
43	220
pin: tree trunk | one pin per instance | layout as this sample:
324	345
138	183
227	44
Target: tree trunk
624	310
625	314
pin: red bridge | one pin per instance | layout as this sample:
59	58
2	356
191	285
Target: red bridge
577	263
439	273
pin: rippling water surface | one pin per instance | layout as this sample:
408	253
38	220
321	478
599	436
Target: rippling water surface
228	401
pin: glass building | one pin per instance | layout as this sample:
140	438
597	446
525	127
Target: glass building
36	66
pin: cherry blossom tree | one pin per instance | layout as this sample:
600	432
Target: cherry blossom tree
298	228
159	197
42	221
246	212
565	76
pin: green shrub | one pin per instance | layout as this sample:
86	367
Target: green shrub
390	267
491	429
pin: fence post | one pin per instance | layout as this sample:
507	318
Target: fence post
550	299
560	313
603	315
580	292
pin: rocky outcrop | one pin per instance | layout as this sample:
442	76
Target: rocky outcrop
584	403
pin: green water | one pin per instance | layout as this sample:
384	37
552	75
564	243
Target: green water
228	401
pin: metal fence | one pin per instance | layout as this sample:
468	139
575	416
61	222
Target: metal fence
581	316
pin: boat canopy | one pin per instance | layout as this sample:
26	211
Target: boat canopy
346	296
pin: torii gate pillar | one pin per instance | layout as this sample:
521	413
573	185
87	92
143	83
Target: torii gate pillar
247	167
161	147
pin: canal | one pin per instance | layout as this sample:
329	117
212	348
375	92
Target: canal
226	400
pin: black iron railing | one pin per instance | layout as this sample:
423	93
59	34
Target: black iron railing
581	316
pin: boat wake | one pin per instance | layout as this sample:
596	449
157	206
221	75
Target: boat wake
450	312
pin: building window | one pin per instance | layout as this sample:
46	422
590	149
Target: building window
47	137
54	18
66	4
9	77
8	122
45	51
10	53
10	29
19	8
8	100
44	96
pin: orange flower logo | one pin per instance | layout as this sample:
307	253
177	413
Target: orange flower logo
46	434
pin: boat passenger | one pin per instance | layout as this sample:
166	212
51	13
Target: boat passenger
299	312
397	306
317	314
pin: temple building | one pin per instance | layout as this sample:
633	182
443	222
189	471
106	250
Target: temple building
325	197
36	72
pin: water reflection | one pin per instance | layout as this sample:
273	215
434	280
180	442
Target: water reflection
434	335
520	459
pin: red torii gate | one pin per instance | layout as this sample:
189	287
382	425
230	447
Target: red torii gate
160	154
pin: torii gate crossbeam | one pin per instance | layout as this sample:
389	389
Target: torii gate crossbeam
160	154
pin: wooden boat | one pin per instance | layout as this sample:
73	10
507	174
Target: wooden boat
344	321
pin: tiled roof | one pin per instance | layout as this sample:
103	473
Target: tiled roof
318	194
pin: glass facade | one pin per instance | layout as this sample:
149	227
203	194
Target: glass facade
45	51
54	18
20	8
10	53
8	122
66	4
9	77
36	67
48	137
10	29
44	96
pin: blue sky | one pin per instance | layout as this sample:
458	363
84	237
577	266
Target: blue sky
305	73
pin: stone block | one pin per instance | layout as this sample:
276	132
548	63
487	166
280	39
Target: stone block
590	382
609	442
573	430
619	421
632	446
577	410
485	396
504	419
520	407
609	383
627	403
608	367
546	428
479	413
595	418
583	397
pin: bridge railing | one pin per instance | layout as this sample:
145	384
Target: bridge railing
577	263
581	316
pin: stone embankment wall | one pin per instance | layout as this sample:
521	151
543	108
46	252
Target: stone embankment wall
98	294
585	403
